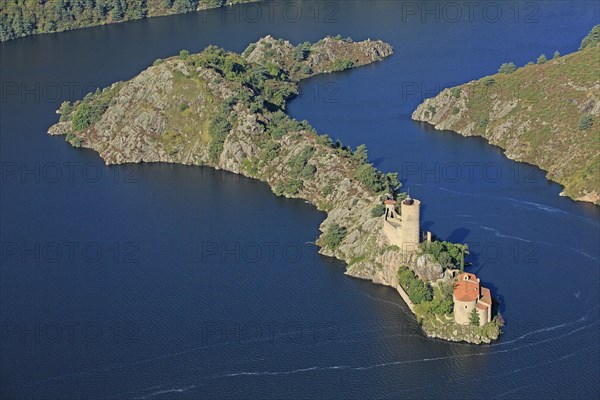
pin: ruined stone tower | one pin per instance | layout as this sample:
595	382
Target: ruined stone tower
403	230
410	227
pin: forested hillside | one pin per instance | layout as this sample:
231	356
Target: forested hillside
20	18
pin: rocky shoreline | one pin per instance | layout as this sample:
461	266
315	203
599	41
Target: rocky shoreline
225	111
535	114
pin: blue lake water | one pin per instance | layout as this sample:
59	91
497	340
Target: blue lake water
166	282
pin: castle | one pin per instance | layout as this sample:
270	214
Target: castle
469	295
403	230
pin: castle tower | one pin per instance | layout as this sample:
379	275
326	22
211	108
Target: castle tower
390	209
410	227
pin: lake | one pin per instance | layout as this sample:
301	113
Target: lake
163	281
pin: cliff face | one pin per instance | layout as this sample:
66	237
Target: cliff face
536	114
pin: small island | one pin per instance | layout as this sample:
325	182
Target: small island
227	111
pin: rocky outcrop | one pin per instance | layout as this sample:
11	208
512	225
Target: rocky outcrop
220	109
537	115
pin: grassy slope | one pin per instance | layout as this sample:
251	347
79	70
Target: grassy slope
534	114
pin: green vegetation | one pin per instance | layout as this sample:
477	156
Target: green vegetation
447	254
542	59
488	81
299	166
334	236
417	290
547	116
507	68
474	317
341	65
20	18
289	186
219	129
87	111
440	304
592	39
378	210
586	122
556	55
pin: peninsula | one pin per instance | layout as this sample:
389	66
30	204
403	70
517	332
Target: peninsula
545	113
227	111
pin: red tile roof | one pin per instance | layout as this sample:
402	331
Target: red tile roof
467	287
466	290
390	202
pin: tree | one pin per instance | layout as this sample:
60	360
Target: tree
360	154
507	68
393	182
592	38
65	110
117	11
184	54
542	59
370	177
334	236
464	250
556	55
474	318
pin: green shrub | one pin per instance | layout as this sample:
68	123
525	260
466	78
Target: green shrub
340	65
370	177
302	51
586	122
249	49
89	110
218	129
308	171
455	110
378	210
334	235
73	140
592	38
474	317
417	290
488	81
448	254
324	140
360	154
158	61
290	187
556	55
299	165
456	91
270	152
184	54
542	59
507	68
65	111
306	70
